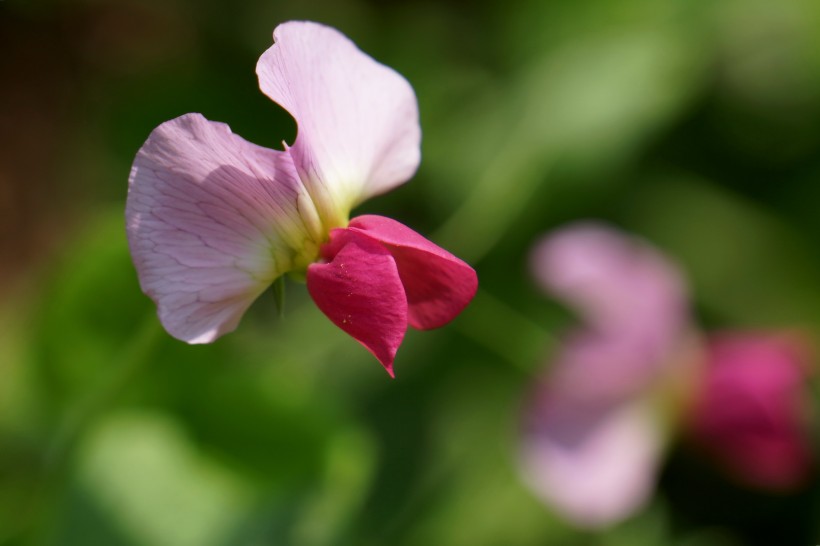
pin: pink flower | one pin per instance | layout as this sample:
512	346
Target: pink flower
592	441
750	410
595	428
213	220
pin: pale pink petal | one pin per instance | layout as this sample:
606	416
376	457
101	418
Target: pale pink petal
615	281
438	285
596	366
591	443
594	464
211	220
358	130
359	289
750	413
631	299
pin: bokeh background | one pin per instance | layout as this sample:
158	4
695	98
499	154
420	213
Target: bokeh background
694	124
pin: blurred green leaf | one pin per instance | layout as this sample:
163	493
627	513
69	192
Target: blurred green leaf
144	471
89	310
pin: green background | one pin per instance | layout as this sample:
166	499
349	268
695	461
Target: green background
694	124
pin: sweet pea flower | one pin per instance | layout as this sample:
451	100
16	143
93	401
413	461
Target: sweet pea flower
214	220
750	411
597	423
592	438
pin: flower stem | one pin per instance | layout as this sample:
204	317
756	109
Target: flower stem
508	328
508	184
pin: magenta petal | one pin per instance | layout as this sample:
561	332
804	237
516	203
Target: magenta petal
438	285
361	292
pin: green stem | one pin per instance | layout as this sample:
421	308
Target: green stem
509	328
507	185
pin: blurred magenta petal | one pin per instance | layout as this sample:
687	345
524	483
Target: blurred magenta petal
211	221
358	132
595	464
437	284
359	289
751	410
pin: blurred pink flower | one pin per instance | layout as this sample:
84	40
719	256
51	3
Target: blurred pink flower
594	464
597	423
592	443
213	220
631	300
750	411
